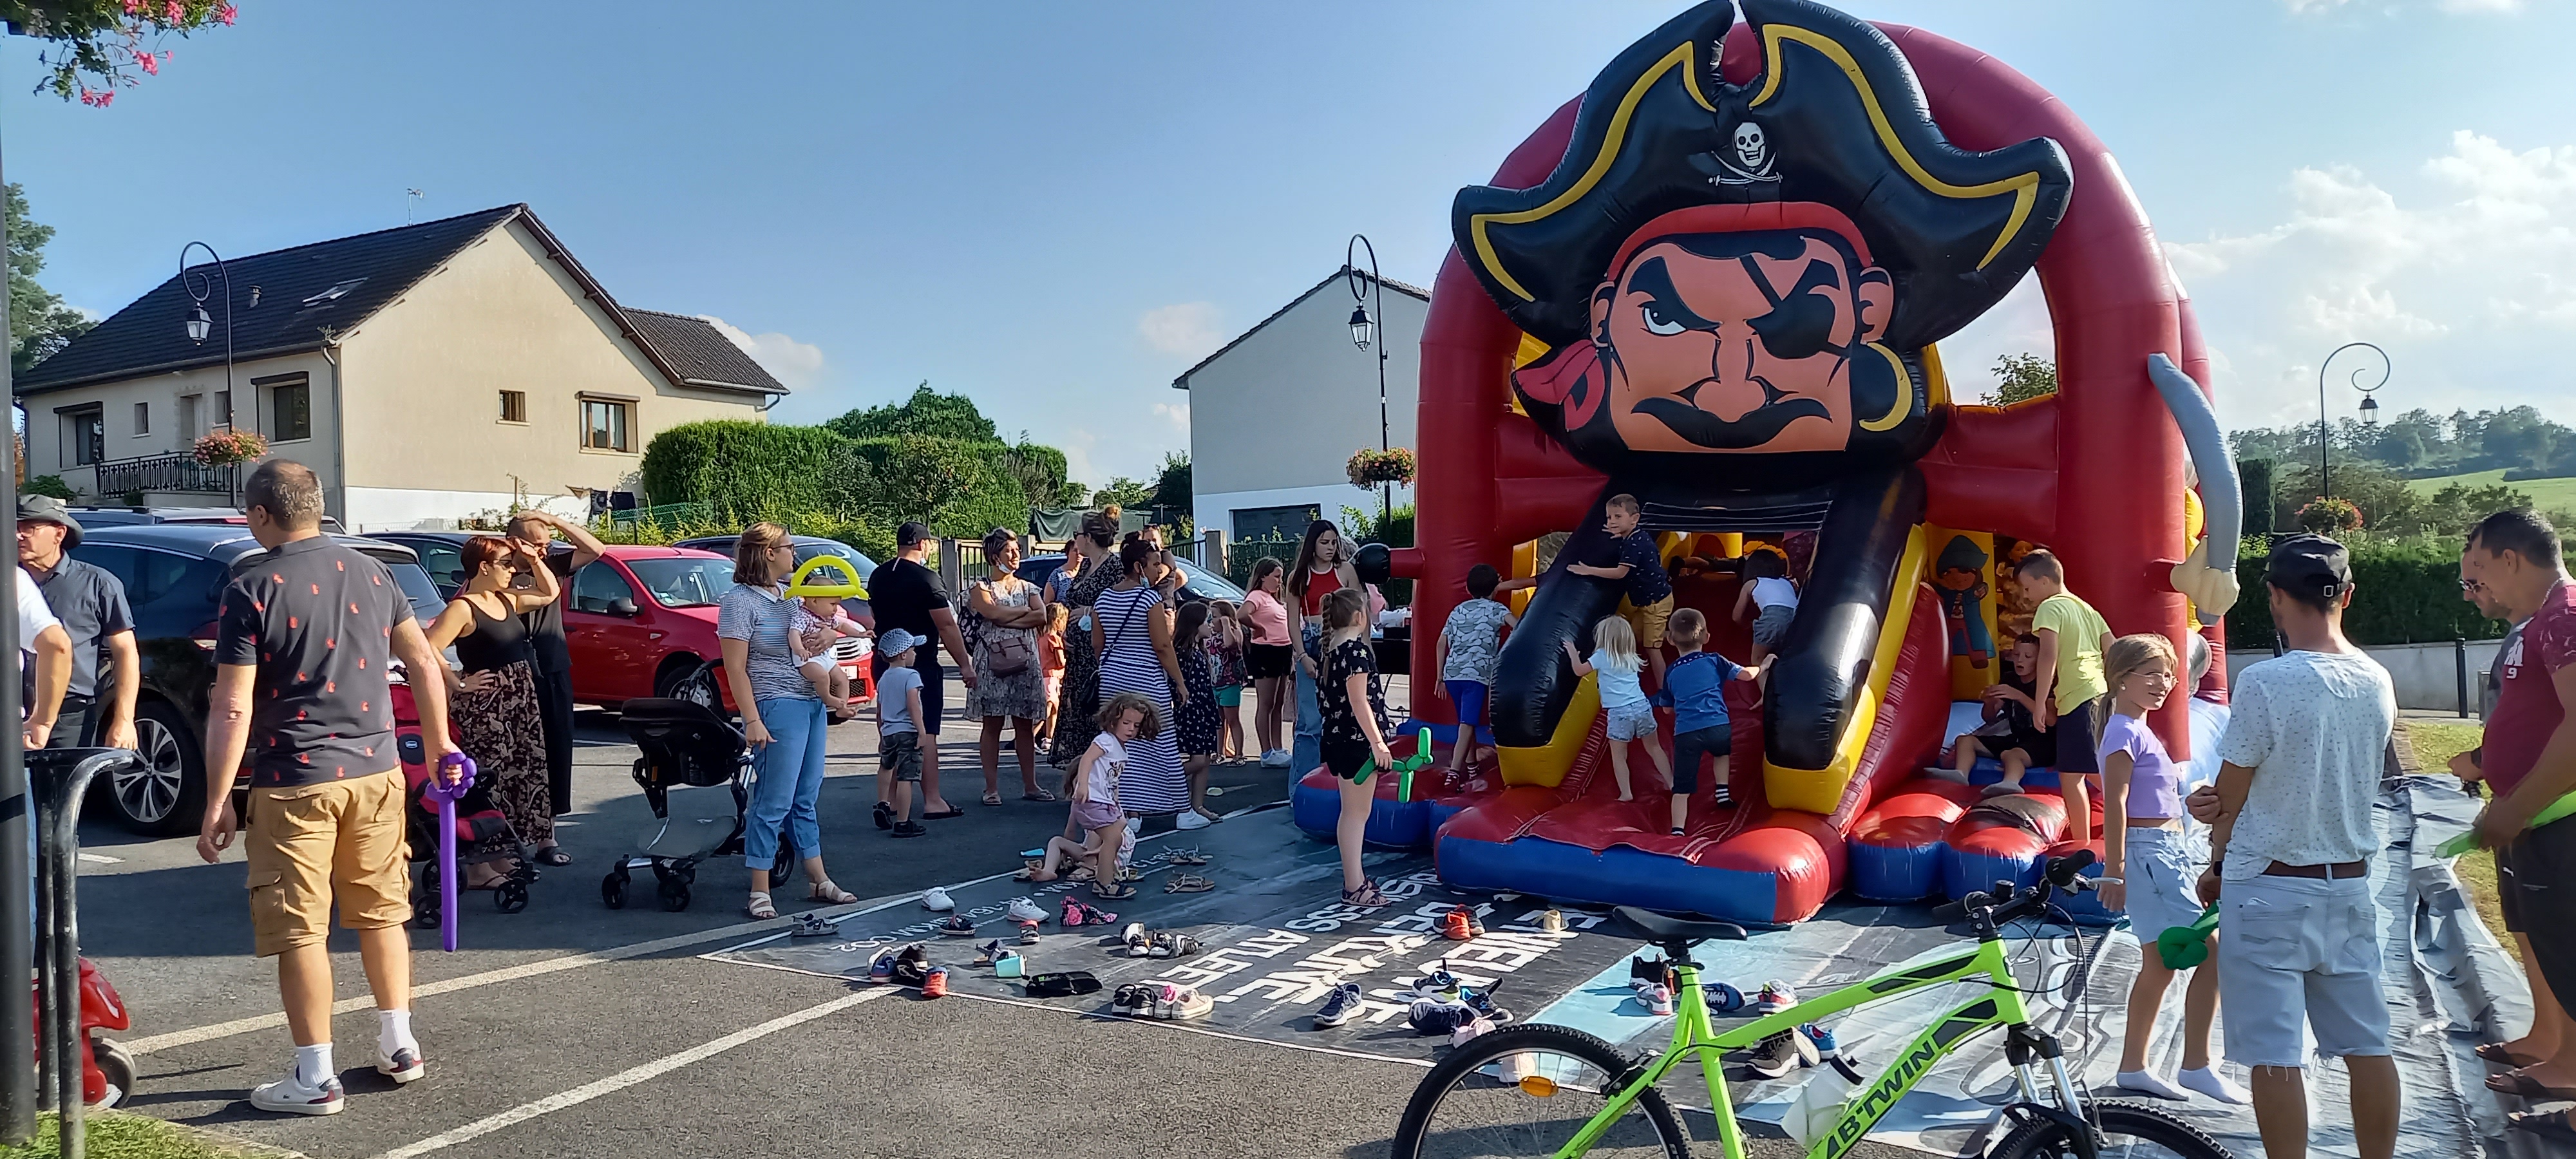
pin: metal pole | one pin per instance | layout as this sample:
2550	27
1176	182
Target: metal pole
2325	482
1360	244
64	789
17	852
2460	662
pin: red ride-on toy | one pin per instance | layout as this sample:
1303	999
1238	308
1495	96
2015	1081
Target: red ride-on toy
107	1071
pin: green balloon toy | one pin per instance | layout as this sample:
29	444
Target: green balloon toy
2558	810
2184	947
1404	765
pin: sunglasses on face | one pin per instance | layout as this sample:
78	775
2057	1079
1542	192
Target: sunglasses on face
2470	585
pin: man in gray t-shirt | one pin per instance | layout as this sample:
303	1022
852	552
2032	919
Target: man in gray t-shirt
2291	816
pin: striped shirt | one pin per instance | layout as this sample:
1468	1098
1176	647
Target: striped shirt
762	618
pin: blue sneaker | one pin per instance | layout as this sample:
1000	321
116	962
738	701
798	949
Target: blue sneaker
1436	984
881	967
1482	1002
1822	1039
1339	1006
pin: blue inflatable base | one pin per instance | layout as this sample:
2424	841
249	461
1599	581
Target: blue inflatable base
1392	824
1618	875
1893	872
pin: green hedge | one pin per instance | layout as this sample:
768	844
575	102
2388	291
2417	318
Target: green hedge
735	466
2407	591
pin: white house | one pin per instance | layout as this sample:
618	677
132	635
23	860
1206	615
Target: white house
1276	413
426	373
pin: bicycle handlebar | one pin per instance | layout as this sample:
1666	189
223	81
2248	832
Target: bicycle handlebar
2007	903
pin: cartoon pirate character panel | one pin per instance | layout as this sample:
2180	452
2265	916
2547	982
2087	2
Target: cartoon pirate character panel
1735	285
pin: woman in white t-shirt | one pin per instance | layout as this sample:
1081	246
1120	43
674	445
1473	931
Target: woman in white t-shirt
42	635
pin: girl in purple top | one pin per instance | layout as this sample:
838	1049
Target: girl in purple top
2144	845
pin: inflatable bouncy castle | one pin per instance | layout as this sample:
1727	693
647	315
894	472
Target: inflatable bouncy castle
1715	282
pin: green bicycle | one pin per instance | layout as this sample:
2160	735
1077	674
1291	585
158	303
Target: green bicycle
1553	1090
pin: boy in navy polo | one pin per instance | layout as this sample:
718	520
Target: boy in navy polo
1697	682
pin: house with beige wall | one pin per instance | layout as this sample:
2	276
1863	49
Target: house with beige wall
426	373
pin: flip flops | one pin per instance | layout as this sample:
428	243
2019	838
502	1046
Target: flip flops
2495	1052
1187	883
2552	1125
2520	1085
1190	856
950	813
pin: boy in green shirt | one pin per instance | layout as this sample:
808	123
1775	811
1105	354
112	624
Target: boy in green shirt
2072	637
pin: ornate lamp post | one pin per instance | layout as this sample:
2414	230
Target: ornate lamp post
1364	331
2369	407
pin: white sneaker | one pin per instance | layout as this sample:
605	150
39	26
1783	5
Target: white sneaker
403	1065
936	900
1025	910
1191	819
291	1096
1275	759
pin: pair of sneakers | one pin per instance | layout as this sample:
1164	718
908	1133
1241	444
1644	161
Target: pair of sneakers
1461	924
1275	759
1160	1000
1807	1046
292	1095
905	965
1340	1006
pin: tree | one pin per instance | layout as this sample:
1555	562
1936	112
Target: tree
926	475
1127	493
105	41
927	412
2022	377
1038	469
39	322
1172	484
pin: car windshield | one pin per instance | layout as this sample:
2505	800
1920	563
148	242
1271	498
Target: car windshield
1208	585
416	586
684	582
867	567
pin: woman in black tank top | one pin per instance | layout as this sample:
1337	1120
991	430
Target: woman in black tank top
495	705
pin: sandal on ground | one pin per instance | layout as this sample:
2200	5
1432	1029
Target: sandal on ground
2495	1052
2520	1085
760	907
948	814
830	894
1189	856
553	855
1040	796
1112	892
1365	897
2552	1125
1187	883
812	925
993	798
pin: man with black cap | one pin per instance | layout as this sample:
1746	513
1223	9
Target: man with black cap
91	604
2291	817
906	594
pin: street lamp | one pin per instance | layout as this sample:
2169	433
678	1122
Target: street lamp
1363	329
2369	407
201	324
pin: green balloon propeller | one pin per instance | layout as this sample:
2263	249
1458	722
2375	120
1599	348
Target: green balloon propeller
2558	810
2184	947
1404	765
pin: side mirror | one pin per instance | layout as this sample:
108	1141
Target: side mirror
621	606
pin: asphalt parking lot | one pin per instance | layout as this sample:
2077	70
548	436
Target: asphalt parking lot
571	1029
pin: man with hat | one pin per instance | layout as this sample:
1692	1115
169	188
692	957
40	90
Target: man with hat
91	604
2298	930
906	596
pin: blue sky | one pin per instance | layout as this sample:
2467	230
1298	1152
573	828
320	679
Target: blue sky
1056	209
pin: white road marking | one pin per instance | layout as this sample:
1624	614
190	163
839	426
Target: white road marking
101	859
630	1076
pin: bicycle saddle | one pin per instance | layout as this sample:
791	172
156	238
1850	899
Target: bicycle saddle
1665	928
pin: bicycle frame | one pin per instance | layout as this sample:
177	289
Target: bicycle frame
1998	1005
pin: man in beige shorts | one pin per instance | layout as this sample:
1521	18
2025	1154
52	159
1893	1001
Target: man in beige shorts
302	642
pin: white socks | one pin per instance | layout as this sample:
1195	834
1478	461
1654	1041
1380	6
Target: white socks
313	1064
2209	1082
393	1032
2145	1082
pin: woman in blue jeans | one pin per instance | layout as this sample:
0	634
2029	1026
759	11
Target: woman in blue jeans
781	716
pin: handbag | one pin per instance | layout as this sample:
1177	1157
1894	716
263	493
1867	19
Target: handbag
1007	651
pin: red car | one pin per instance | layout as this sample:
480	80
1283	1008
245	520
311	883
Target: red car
641	621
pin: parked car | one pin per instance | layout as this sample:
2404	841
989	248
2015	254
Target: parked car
442	554
123	516
641	621
1197	583
174	576
807	547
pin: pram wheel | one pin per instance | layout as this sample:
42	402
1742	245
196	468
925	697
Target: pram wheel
510	896
612	889
785	866
674	893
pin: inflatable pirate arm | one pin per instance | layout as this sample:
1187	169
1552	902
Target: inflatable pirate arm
2208	574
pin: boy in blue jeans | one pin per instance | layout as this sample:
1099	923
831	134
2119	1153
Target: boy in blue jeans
1471	644
1697	682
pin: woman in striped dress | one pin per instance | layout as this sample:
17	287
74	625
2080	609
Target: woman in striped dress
1131	628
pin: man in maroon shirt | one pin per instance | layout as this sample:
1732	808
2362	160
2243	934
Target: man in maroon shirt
2529	759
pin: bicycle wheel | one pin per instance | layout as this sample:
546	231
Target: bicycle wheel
2129	1131
1527	1091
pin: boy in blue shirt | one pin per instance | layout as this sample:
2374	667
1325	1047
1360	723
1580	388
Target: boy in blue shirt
1697	682
1632	559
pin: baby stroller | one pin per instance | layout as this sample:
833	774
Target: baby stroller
477	821
686	746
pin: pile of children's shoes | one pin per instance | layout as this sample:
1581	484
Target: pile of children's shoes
1142	943
1445	1005
1160	1000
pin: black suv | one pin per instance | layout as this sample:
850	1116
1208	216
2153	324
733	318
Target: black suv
174	574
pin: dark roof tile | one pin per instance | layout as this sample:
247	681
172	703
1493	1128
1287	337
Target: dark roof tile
701	353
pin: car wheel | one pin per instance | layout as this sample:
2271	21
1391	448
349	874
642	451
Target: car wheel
697	685
166	796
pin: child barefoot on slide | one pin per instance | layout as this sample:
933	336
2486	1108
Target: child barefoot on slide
1623	702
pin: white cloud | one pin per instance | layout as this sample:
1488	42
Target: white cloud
2466	286
1175	413
797	365
2016	325
1187	329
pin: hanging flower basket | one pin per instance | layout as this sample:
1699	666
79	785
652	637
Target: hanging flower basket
2330	516
1369	467
223	448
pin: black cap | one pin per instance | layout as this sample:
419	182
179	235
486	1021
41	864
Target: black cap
2311	566
910	533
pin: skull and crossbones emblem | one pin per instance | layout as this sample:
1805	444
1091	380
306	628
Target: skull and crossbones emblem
1749	158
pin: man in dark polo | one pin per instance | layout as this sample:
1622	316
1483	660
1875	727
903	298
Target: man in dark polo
554	656
91	605
302	644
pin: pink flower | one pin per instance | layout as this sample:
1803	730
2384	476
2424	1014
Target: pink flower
151	64
224	14
173	12
104	96
133	7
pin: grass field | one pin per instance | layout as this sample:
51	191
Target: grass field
2546	494
2435	745
111	1135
